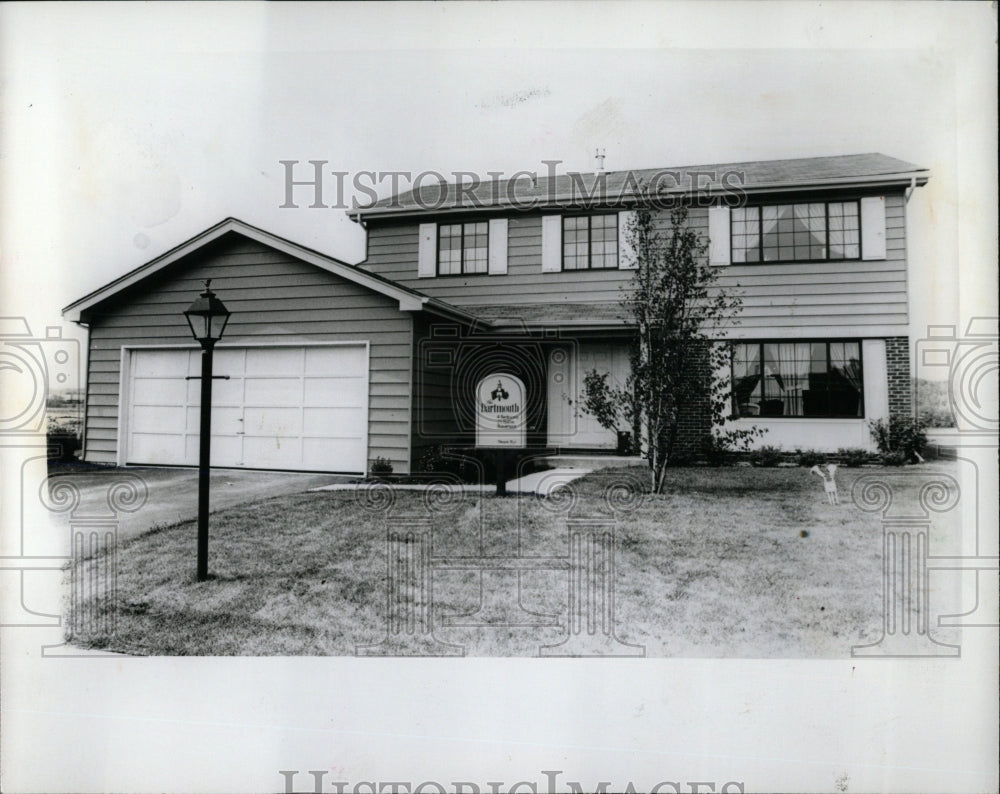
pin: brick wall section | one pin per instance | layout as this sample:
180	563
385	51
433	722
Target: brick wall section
695	422
897	355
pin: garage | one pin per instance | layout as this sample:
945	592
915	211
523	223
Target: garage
298	408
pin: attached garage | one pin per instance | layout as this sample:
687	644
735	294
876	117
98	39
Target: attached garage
318	354
301	408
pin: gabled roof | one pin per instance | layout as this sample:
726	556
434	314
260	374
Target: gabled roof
757	176
409	299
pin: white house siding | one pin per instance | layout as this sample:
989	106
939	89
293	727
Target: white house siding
274	298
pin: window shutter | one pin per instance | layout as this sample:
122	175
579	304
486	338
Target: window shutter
551	243
498	247
427	251
873	227
626	254
718	236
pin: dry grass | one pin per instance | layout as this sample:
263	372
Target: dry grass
716	567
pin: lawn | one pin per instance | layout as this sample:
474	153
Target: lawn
730	562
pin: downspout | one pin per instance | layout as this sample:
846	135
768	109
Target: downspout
910	189
86	396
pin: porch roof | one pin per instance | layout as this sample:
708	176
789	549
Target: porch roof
563	314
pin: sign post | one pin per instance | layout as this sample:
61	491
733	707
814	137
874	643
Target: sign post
500	419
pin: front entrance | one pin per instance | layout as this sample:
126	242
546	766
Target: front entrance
568	424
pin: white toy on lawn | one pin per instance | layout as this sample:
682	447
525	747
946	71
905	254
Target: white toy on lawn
829	483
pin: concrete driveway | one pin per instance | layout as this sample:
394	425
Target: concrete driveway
172	494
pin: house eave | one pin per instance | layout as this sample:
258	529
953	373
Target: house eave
444	310
564	200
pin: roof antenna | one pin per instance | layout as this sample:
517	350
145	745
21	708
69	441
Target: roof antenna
599	161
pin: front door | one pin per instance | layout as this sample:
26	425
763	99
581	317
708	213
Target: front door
569	425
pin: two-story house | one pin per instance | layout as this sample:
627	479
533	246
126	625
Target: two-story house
332	365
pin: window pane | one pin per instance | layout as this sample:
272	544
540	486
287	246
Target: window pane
796	232
845	382
818	357
746	379
787	366
746	234
475	251
450	262
794	379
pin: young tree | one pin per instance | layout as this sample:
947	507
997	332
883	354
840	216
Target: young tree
674	303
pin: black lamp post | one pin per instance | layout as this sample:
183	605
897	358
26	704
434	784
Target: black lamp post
207	317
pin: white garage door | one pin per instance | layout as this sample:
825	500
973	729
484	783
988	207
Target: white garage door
295	408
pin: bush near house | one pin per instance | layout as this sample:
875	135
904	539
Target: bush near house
473	465
809	458
63	439
852	457
63	426
767	457
381	466
899	436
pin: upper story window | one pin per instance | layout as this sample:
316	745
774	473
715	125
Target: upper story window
810	232
590	242
463	248
798	379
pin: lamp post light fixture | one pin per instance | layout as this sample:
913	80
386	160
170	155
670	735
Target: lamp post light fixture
207	317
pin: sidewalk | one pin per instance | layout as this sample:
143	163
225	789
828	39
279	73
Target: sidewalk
541	483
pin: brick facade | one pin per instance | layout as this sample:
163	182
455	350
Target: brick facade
897	359
695	423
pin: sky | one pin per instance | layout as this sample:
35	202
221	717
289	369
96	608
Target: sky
129	129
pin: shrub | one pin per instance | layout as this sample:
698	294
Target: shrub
809	458
937	417
900	434
462	463
381	466
63	441
766	457
716	450
852	457
895	458
433	459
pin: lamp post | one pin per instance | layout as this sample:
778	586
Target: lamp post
207	317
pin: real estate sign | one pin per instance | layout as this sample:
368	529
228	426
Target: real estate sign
500	411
